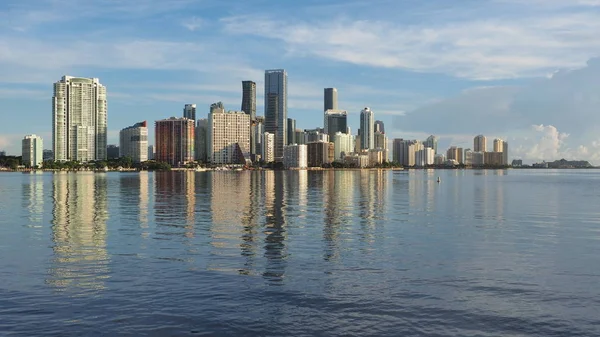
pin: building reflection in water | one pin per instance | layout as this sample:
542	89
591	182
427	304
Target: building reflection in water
372	201
79	231
133	203
274	229
32	195
250	218
338	187
174	206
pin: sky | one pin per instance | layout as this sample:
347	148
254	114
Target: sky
523	71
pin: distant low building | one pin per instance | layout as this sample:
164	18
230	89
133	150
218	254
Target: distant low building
357	159
318	154
517	163
32	151
563	163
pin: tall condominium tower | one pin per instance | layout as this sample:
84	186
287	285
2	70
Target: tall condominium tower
291	136
79	119
189	111
367	134
276	108
480	144
432	143
249	98
133	142
174	141
379	126
330	99
32	150
335	121
201	139
228	137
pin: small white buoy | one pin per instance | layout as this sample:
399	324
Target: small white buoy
439	180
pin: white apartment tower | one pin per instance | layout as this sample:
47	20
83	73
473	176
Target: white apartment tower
228	137
79	118
343	144
32	148
295	156
133	142
268	147
367	131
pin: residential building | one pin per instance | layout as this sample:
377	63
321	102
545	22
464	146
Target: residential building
505	153
477	159
174	139
517	163
480	143
493	158
367	133
276	108
189	111
112	151
432	143
379	127
317	154
32	153
439	159
79	119
413	148
498	145
151	152
402	152
455	153
48	155
468	157
315	135
377	156
268	149
335	121
381	143
249	98
300	136
424	157
295	156
257	130
201	140
228	136
330	99
357	159
133	142
343	144
291	136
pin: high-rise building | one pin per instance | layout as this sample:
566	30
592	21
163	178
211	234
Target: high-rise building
257	129
315	135
228	137
335	121
468	157
493	158
268	149
48	155
79	118
151	152
381	144
174	141
424	157
112	151
189	111
201	139
480	143
133	142
432	143
413	148
32	148
295	156
343	145
330	99
249	98
276	108
379	127
455	153
291	136
367	134
498	145
317	153
300	136
402	151
505	153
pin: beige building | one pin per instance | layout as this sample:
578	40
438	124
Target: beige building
480	144
228	136
133	142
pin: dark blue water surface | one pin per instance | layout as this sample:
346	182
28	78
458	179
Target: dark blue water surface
370	253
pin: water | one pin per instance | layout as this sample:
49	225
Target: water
483	253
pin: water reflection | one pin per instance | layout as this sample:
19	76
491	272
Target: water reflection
371	202
79	218
174	207
32	194
274	229
338	187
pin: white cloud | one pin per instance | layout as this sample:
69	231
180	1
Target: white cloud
482	48
193	24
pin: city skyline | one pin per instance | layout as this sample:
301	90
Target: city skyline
414	89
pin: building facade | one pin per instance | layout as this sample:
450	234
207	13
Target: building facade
367	133
189	111
291	136
424	157
79	119
32	151
249	98
268	149
432	143
228	137
379	127
133	142
480	143
201	140
343	144
330	99
174	139
317	154
295	157
335	121
276	108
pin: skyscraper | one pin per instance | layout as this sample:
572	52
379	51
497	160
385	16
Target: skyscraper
201	139
432	143
249	98
480	144
189	111
174	141
228	137
330	99
379	127
79	118
291	136
498	145
367	134
276	108
335	121
32	148
134	142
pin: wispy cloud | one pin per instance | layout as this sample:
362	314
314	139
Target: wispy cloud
193	24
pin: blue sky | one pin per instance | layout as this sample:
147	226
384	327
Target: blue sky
506	68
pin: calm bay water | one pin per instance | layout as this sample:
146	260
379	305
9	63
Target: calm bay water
483	253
